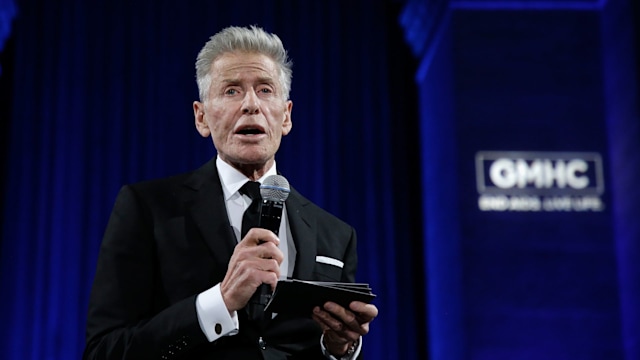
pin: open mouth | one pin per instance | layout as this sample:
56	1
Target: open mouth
250	130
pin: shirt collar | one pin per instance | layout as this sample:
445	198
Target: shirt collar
232	179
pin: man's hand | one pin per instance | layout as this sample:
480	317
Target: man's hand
343	327
255	260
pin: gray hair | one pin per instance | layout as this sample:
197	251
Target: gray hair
252	39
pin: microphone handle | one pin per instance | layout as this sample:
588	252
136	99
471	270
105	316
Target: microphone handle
258	301
270	217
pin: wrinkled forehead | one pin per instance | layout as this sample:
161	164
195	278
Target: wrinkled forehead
238	64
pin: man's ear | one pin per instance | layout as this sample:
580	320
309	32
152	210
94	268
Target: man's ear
287	124
201	124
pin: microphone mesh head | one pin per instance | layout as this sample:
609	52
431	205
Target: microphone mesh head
275	188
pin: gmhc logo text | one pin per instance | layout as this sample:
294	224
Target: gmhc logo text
539	173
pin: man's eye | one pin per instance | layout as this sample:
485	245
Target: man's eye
231	92
265	90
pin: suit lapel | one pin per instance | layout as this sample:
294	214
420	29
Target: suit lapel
303	230
210	213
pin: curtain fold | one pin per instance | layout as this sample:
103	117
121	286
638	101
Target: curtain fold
102	96
8	11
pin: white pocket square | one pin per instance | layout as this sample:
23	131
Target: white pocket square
329	261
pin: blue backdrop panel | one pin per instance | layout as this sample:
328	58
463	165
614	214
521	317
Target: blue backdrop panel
506	283
536	284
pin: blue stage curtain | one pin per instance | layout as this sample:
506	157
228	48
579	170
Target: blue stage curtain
102	95
623	124
8	10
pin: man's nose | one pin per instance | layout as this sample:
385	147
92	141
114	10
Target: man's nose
250	103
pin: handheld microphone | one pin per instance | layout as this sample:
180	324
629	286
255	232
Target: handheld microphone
274	191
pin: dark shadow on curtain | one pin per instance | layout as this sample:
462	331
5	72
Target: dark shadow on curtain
100	95
6	79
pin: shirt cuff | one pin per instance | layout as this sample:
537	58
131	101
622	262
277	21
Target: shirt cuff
328	355
213	316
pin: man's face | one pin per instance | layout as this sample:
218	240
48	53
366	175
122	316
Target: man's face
245	113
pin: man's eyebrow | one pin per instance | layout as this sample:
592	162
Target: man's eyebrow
260	80
266	79
230	81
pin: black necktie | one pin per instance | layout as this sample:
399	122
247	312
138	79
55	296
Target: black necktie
251	217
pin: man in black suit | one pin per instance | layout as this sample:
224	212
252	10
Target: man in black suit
174	275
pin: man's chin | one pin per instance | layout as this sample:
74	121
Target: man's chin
248	162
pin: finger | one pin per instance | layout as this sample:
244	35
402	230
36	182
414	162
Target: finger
323	326
337	324
270	279
268	271
257	236
326	318
334	331
357	322
252	271
364	312
345	316
267	264
269	251
338	311
251	252
247	250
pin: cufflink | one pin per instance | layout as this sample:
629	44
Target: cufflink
218	328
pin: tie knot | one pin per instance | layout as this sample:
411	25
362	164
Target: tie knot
251	189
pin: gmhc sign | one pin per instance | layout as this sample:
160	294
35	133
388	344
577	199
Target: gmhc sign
539	181
539	173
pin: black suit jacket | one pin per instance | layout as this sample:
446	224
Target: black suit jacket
167	240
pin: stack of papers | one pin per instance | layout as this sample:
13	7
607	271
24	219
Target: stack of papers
298	297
